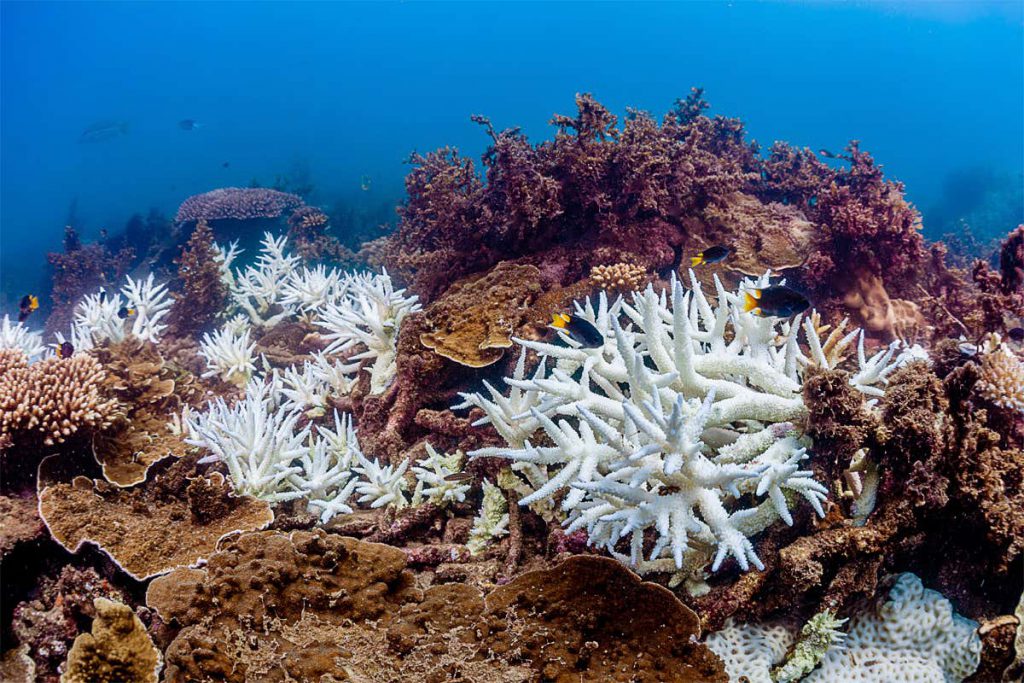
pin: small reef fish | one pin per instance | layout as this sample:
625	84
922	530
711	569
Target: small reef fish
365	183
65	350
827	154
104	130
189	124
124	312
777	302
710	255
459	476
226	164
582	331
1016	334
28	304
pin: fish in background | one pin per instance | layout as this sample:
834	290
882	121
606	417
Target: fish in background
28	304
104	130
713	254
365	183
189	124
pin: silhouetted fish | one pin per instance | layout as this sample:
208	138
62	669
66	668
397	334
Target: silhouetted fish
189	124
365	183
104	130
226	164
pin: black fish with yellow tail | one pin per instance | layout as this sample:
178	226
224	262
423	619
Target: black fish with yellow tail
580	330
774	302
710	255
28	304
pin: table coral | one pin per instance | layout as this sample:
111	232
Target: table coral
147	530
118	649
237	203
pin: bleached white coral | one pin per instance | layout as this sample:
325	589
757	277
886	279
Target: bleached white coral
369	317
491	522
325	474
310	387
433	478
16	336
624	426
150	302
383	484
228	355
259	289
912	636
97	318
308	289
256	439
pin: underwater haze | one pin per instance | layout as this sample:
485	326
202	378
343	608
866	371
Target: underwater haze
341	93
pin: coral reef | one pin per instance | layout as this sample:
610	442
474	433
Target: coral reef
307	230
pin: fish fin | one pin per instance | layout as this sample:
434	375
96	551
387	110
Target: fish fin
696	260
559	320
750	301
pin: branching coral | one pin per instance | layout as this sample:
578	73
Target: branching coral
622	277
369	318
631	418
149	303
229	356
1002	377
202	295
53	399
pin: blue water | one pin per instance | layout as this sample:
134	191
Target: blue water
349	90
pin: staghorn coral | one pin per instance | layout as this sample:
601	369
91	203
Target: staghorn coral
622	277
15	337
52	400
473	323
202	295
118	649
629	437
236	203
149	529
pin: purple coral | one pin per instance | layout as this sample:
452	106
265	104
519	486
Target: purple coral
237	203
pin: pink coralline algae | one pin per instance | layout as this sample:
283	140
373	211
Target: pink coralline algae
237	203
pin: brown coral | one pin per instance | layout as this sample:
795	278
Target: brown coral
119	649
53	399
619	277
202	294
20	523
877	314
271	605
473	323
150	529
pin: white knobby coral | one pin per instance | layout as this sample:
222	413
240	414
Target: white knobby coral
491	522
368	319
17	336
228	356
912	636
434	478
150	302
624	426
